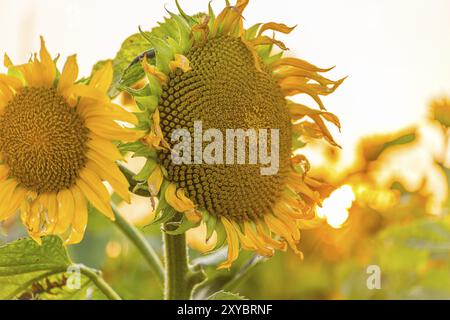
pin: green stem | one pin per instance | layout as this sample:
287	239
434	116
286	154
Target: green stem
243	273
100	283
180	279
142	245
176	267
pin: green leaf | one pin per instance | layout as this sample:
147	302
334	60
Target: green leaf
131	48
222	295
374	147
32	271
408	138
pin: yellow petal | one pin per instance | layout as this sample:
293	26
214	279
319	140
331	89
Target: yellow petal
233	244
4	172
102	79
6	189
94	182
180	62
66	211
280	228
296	183
289	222
257	241
48	68
120	185
152	70
264	40
107	148
13	204
5	93
298	63
108	111
193	216
297	111
244	241
155	180
94	199
110	166
7	61
31	219
177	200
268	239
69	74
80	218
112	131
52	212
84	91
12	82
280	27
30	75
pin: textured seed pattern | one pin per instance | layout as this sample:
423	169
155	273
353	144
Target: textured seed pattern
225	91
42	140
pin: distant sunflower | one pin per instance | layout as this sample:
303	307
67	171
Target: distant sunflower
440	111
211	69
56	146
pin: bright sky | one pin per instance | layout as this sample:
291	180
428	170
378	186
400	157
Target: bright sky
396	53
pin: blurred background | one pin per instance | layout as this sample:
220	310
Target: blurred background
390	207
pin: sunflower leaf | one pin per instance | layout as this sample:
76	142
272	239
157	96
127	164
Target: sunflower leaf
32	271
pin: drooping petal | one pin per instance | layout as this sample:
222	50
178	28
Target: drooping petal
233	244
177	200
299	63
66	211
259	243
180	62
260	228
80	217
280	27
281	229
155	180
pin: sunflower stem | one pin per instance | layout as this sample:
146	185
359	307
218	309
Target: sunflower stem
101	284
180	278
142	245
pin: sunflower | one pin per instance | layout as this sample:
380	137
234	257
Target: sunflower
56	146
210	68
440	111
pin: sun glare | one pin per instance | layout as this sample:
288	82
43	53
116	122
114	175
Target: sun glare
335	208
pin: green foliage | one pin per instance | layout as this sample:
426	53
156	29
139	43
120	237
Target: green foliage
32	271
134	46
408	138
222	295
